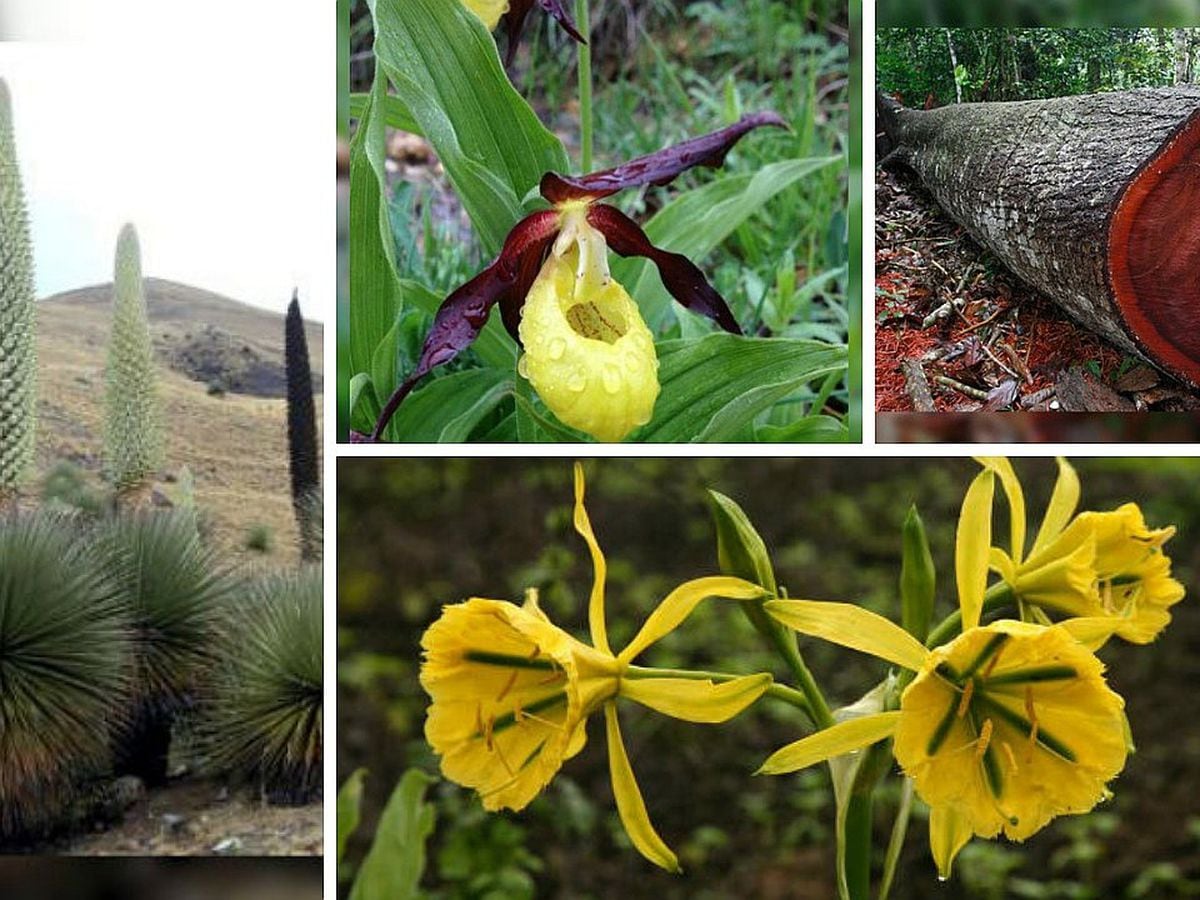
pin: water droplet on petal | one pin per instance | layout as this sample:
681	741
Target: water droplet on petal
576	382
633	363
642	418
611	378
523	366
557	348
941	878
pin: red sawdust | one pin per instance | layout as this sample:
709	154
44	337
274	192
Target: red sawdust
924	260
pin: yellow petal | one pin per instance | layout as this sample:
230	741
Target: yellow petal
629	799
949	831
696	701
851	626
678	605
583	525
1091	631
844	737
972	546
488	11
1062	505
1016	501
588	352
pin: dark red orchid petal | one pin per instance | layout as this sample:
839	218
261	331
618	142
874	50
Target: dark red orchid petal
514	22
679	274
527	270
662	167
463	314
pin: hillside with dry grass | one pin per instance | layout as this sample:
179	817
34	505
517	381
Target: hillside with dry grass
222	389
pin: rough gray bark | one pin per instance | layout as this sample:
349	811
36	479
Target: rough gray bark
1038	182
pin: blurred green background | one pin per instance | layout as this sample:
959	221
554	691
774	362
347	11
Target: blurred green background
1066	13
416	533
665	71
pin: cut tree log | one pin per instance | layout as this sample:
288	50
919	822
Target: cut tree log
1093	200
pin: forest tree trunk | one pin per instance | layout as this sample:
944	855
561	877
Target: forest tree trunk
1094	200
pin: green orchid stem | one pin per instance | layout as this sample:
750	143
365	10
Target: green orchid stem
998	596
583	23
778	691
858	843
785	643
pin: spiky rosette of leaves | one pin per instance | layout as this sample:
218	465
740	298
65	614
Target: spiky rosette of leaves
302	430
133	431
66	655
18	364
265	718
177	593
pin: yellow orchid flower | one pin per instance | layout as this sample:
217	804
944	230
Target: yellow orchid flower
1094	564
512	692
488	11
588	353
1003	728
586	349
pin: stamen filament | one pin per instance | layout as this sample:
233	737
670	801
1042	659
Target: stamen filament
1028	728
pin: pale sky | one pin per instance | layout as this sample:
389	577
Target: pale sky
208	125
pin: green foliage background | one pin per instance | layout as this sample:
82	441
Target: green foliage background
414	534
1021	63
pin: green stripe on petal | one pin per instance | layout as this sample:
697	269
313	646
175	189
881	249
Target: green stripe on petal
972	547
851	626
630	805
844	737
696	701
678	605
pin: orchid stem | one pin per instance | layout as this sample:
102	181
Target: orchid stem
583	24
778	691
997	596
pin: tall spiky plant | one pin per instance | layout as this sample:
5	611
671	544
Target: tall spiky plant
302	433
133	431
65	671
264	719
18	363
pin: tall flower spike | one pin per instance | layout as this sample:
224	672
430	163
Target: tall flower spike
511	692
605	391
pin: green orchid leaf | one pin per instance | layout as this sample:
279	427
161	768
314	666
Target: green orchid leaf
448	409
395	113
349	813
375	293
446	72
396	860
811	430
714	388
696	222
364	403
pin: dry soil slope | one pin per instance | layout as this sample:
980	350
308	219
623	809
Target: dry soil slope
235	444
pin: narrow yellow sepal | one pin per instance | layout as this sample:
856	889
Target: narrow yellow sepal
949	831
696	701
583	525
678	605
851	626
1016	501
844	737
972	547
1063	503
630	805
